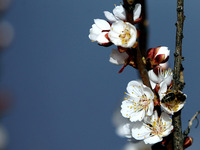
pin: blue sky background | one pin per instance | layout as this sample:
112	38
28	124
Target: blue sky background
65	90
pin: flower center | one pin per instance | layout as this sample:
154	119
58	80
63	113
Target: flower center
158	128
165	73
125	36
144	102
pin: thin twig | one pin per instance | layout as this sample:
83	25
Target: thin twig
187	131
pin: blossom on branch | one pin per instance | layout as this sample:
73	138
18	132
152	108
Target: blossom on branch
157	76
157	56
123	34
120	14
118	58
99	32
138	102
153	129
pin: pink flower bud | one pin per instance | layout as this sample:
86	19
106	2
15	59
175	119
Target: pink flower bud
158	55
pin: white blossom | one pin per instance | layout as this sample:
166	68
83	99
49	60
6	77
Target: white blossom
118	58
158	76
120	14
99	31
153	129
123	34
138	102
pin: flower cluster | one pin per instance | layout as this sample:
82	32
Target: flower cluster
146	122
116	30
145	110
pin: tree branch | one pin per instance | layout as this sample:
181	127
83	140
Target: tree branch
129	7
143	27
177	134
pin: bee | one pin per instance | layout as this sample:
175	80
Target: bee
174	95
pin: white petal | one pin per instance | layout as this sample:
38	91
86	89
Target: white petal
114	38
154	117
110	16
94	32
132	98
138	116
148	92
140	131
162	91
150	110
135	88
163	50
113	35
102	24
164	65
93	37
168	131
95	29
128	111
101	39
137	11
168	79
153	85
119	12
152	140
153	77
165	118
118	26
167	122
118	58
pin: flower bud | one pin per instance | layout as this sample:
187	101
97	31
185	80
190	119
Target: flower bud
158	55
188	142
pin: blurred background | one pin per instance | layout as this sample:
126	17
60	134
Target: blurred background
61	89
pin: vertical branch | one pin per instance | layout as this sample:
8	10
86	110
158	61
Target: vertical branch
141	68
177	134
143	27
129	7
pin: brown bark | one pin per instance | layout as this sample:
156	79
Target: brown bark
143	29
176	118
129	7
